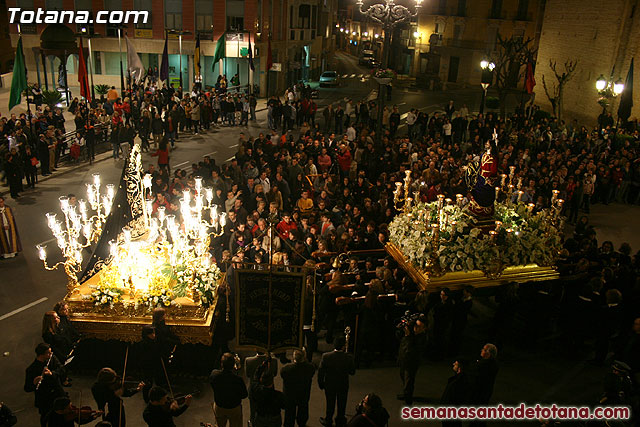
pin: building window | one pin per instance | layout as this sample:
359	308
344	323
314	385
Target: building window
235	23
53	4
523	7
314	17
492	38
235	15
462	7
304	16
173	14
112	30
85	5
496	9
442	7
27	28
147	6
457	32
204	17
97	60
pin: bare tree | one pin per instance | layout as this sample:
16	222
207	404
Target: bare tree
556	93
510	57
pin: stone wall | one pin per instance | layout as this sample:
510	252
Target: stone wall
600	37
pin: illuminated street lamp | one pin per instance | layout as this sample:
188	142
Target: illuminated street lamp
389	15
608	89
486	80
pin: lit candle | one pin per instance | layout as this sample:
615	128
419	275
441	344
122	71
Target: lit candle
436	230
492	234
448	201
504	178
560	203
530	207
519	183
554	196
520	194
509	231
497	192
498	225
459	200
512	170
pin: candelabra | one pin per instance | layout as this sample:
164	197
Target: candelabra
403	197
77	226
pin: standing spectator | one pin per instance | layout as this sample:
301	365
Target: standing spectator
333	378
297	378
412	344
268	401
485	372
228	392
458	390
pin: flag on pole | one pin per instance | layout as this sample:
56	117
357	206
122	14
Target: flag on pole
83	77
164	66
196	57
220	50
626	99
251	65
19	79
134	64
530	80
269	56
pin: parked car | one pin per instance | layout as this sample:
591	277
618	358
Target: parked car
329	78
373	63
365	56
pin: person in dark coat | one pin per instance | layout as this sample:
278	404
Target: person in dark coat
333	378
65	327
458	390
251	365
228	392
44	377
412	344
150	361
460	314
165	336
108	392
370	413
484	378
268	401
442	315
297	378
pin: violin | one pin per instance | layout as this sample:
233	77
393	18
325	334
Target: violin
81	415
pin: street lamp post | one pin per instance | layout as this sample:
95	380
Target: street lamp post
608	89
121	69
486	80
180	33
389	15
85	33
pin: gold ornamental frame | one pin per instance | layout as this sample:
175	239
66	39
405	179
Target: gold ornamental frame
476	278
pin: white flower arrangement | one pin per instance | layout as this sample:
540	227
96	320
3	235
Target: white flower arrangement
523	238
106	295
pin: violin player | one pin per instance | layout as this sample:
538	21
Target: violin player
162	409
108	391
64	414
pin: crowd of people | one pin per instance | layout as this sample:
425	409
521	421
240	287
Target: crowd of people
306	190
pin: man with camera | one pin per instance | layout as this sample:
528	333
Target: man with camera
228	392
333	378
251	365
413	338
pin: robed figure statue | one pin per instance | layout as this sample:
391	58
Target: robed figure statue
479	177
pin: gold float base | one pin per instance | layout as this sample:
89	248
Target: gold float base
191	322
475	278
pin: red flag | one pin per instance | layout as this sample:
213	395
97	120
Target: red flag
530	80
269	57
83	78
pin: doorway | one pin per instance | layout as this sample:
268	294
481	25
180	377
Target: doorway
454	64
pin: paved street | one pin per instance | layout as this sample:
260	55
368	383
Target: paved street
541	374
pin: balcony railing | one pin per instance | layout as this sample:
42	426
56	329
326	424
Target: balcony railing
464	44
